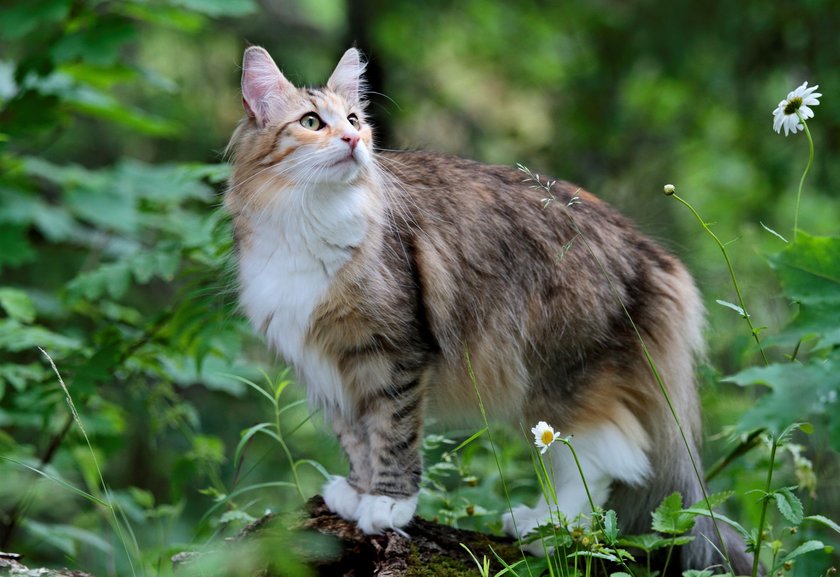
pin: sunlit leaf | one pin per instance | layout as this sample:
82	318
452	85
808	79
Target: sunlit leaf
669	517
789	505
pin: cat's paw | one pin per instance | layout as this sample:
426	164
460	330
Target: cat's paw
379	512
524	520
341	498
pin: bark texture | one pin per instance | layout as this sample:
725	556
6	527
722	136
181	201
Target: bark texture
431	550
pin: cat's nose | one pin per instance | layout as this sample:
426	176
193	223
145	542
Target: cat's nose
351	139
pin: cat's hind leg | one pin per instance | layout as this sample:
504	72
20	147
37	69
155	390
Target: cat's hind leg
606	452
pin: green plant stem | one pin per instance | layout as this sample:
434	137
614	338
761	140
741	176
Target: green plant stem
474	382
764	504
668	557
804	174
287	452
741	302
580	472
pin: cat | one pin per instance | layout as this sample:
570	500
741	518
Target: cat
376	274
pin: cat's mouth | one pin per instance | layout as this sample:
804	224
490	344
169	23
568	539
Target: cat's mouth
349	159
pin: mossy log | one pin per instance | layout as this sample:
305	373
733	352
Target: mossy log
11	566
430	550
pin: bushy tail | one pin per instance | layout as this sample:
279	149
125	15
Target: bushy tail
707	551
675	341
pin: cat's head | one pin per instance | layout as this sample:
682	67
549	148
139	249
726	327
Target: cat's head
303	136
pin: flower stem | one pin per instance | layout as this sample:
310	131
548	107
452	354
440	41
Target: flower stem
766	500
804	174
741	302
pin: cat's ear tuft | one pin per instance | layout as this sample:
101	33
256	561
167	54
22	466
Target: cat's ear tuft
263	85
346	79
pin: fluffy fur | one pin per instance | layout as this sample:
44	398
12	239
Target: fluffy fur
376	274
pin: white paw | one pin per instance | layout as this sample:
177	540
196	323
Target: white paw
341	498
378	512
524	520
527	520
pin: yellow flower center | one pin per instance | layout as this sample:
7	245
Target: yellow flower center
547	437
793	105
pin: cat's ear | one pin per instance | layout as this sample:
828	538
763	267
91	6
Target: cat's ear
263	85
346	79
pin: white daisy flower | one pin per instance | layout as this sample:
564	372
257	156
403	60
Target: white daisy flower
544	436
799	100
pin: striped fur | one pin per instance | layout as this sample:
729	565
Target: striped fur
376	274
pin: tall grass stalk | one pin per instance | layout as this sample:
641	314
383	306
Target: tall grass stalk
273	395
110	502
754	331
474	382
804	174
657	376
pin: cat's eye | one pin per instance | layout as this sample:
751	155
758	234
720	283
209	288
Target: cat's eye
312	121
354	121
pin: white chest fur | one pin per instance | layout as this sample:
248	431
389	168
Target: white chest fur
286	266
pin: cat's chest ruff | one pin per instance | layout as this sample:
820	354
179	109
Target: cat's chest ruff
288	262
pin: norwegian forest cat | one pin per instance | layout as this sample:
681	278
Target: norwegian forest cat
376	274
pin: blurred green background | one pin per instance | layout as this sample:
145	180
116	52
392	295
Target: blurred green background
115	257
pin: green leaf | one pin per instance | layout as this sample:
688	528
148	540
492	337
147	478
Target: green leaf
66	537
610	527
806	547
21	19
723	519
797	392
648	542
216	8
669	517
809	271
715	500
823	521
698	573
15	337
732	306
16	248
789	505
112	279
97	44
20	376
17	304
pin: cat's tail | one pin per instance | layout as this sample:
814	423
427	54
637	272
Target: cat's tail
673	334
706	550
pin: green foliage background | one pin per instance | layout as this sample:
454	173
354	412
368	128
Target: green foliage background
115	258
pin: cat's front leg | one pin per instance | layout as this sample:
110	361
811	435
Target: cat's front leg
394	425
343	494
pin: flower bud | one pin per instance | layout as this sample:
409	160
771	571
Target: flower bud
669	189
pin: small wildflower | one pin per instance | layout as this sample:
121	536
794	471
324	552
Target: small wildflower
544	436
669	189
787	113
